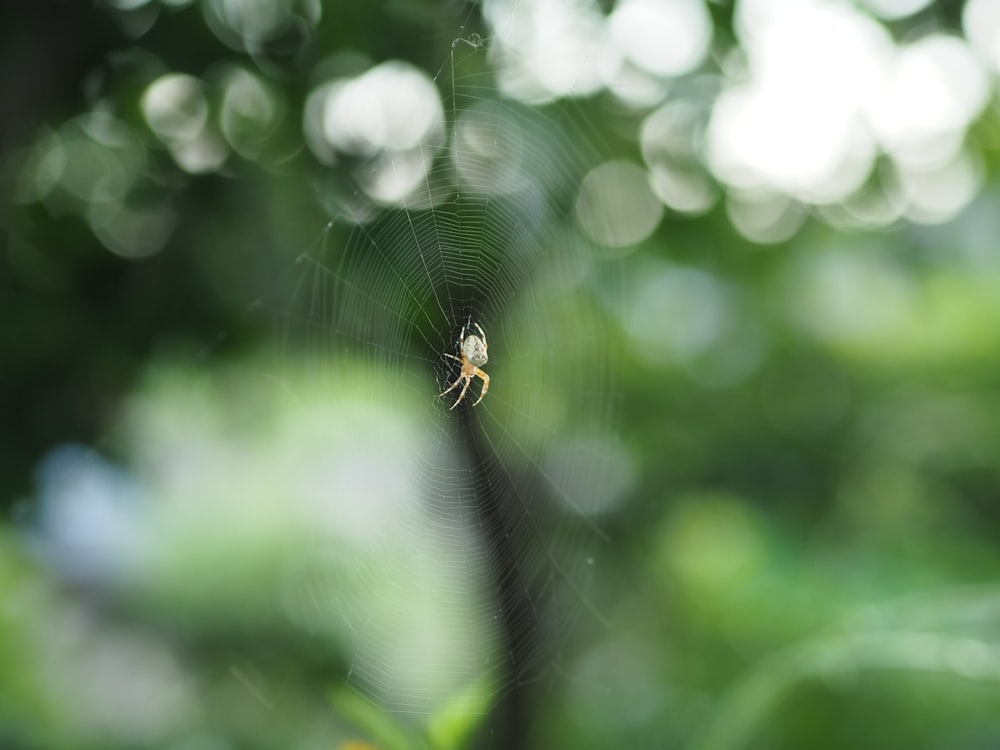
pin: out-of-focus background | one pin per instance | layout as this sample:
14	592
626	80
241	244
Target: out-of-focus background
735	483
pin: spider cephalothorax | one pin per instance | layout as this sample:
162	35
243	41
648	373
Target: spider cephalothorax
473	351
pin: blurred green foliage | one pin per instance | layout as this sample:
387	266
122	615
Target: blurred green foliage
807	557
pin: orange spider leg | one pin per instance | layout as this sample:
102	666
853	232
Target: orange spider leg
486	383
455	384
466	376
468	381
459	378
453	387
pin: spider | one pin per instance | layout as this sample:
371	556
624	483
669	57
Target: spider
473	351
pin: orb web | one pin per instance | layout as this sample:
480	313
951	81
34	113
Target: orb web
505	497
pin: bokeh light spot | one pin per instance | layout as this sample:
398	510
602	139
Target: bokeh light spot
981	23
175	107
255	19
763	216
934	89
251	24
849	299
796	124
615	206
391	116
671	138
892	10
392	107
714	543
938	194
663	37
489	158
550	49
676	314
594	475
250	114
132	231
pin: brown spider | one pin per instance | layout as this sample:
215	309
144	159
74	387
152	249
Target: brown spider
473	351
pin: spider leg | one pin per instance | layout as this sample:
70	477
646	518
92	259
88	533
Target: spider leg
486	384
482	335
462	376
468	381
453	386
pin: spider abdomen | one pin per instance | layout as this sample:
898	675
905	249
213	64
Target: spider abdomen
474	351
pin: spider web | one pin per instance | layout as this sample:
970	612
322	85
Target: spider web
502	541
